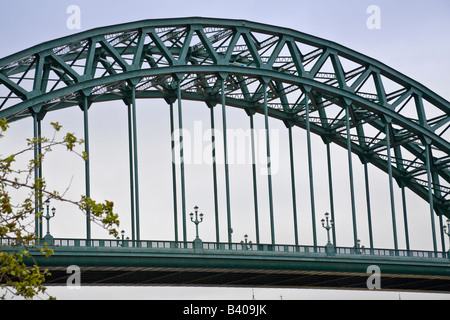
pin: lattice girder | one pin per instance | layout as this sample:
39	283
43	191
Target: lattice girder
155	55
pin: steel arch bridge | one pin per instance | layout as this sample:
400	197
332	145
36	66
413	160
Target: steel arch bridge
385	118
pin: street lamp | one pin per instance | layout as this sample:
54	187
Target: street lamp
447	227
198	244
446	230
328	225
48	237
121	243
245	245
359	247
196	221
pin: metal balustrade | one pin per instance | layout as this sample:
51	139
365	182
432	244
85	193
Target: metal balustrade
240	247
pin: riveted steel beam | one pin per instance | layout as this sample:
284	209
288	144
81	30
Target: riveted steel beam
149	53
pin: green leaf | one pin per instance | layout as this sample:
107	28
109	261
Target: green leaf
56	126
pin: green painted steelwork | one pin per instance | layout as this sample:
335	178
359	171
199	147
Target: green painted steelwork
87	163
225	152
330	190
294	194
36	176
183	183
391	186
130	153
430	193
311	174
214	165
307	82
255	185
92	47
350	173
104	261
369	211
135	163
269	166
405	220
174	177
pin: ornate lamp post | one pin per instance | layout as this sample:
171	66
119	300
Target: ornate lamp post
122	243
447	232
246	244
48	237
359	248
198	244
196	221
328	225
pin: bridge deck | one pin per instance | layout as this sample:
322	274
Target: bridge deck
165	263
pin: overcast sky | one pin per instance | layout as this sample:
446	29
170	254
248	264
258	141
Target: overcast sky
413	38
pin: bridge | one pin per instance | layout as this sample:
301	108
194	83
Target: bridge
354	103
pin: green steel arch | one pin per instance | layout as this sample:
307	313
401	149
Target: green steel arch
349	99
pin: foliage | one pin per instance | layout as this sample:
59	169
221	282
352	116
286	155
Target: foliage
17	217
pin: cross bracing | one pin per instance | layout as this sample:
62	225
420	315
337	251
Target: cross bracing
349	99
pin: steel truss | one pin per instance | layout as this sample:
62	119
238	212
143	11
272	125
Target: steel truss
356	102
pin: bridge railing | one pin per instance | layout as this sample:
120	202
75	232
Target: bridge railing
123	243
392	252
262	247
250	247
